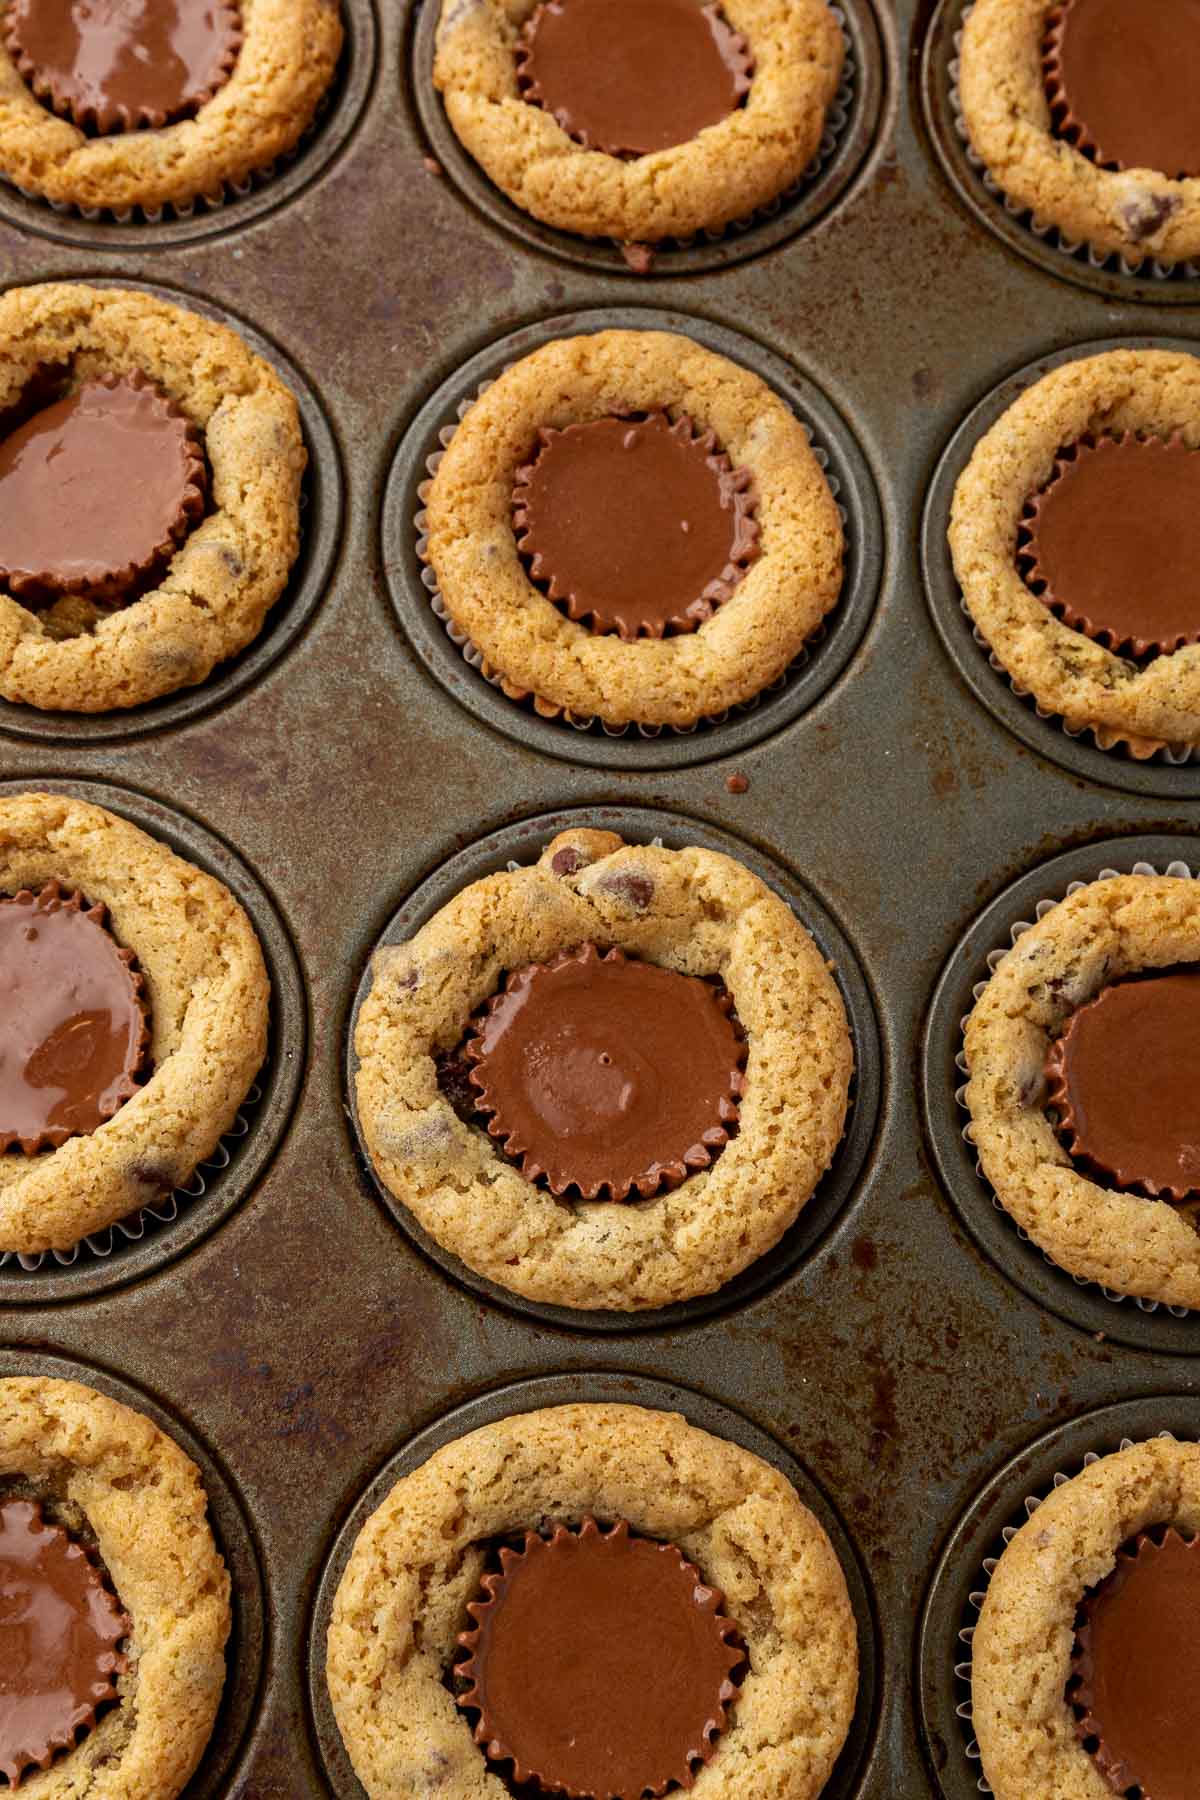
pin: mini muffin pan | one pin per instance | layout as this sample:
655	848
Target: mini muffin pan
903	1343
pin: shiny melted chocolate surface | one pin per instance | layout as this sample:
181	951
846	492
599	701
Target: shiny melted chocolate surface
1125	1077
606	1075
1137	1656
59	1631
600	1664
1123	76
117	64
632	76
72	1024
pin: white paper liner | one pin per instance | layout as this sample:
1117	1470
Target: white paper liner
1175	756
1075	249
987	1569
837	117
201	203
1017	930
163	1212
473	656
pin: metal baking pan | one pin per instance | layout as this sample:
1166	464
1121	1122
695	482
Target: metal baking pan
302	1336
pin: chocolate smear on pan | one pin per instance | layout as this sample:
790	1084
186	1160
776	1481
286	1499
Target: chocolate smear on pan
607	1076
59	1630
1124	1078
635	523
1122	77
1111	544
628	77
97	492
600	1664
74	1027
123	65
1134	1689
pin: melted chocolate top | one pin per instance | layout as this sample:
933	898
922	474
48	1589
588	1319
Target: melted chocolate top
72	1024
1137	1654
114	65
1122	77
1125	1077
1113	543
59	1631
97	491
607	1075
635	523
600	1664
632	76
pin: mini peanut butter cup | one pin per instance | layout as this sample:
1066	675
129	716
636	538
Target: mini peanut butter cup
74	1028
1137	1648
59	1631
1124	1078
631	79
111	66
1121	77
1111	544
637	524
97	492
600	1664
606	1075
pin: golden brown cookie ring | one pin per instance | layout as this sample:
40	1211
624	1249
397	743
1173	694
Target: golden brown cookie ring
1105	930
417	1562
690	910
748	642
285	65
208	993
725	173
230	570
107	1472
1148	392
1021	1650
1137	213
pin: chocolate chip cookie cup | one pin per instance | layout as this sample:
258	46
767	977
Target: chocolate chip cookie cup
568	1486
1082	1053
1143	695
1073	107
605	142
131	1035
759	511
105	1546
110	111
157	462
706	1195
1077	1663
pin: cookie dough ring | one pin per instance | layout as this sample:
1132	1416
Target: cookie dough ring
1021	1650
417	1562
1137	213
208	991
691	910
1095	936
748	642
1155	392
287	59
107	1469
232	568
725	173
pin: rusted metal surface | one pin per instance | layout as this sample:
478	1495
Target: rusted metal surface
305	1339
